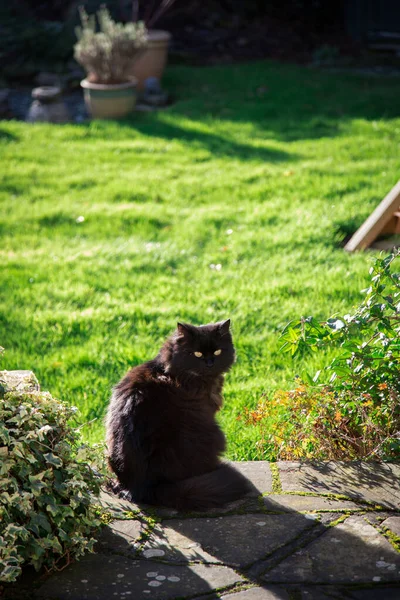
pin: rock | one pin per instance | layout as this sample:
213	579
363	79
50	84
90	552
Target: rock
140	107
40	113
47	106
153	94
153	99
152	85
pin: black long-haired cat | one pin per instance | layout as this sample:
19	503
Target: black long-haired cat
163	440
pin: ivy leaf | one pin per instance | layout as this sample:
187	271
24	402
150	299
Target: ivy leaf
40	520
53	460
21	532
9	573
36	485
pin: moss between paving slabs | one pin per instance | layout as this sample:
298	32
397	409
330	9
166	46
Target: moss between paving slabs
276	479
366	504
391	537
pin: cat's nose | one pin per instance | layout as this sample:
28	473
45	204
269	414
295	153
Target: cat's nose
209	362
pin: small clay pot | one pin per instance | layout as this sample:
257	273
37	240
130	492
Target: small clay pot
105	101
152	60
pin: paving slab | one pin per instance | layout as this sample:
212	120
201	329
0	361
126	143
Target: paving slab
258	593
372	482
258	473
316	593
350	552
248	503
275	592
101	577
383	593
250	593
235	540
393	523
120	536
172	545
299	503
118	507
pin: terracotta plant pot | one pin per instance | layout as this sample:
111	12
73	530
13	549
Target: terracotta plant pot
152	60
105	101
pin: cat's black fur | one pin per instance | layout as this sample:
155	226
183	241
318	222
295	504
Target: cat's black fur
163	440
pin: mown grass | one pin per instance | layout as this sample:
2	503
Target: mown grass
287	158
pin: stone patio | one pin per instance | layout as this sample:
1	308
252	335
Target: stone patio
307	531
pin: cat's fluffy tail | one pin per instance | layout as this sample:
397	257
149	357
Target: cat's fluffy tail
210	490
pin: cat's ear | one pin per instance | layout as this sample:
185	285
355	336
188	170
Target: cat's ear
184	330
223	327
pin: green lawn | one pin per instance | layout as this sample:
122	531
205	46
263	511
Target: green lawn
261	169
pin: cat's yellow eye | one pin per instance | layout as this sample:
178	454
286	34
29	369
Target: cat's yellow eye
198	354
217	352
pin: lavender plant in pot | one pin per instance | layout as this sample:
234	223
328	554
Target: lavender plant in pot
107	56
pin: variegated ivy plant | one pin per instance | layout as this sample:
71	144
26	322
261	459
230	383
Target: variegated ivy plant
47	485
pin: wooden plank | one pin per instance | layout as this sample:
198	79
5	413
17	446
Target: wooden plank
390	227
376	222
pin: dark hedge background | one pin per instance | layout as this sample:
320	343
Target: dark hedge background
39	34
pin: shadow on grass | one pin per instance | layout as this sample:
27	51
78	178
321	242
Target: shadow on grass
285	103
345	229
281	103
214	143
300	104
7	137
152	126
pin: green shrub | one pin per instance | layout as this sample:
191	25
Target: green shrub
46	485
355	412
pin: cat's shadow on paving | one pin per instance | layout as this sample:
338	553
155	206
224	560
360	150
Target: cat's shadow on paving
294	537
